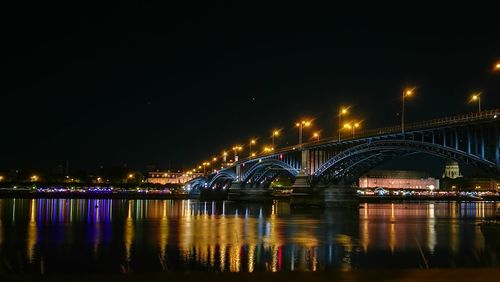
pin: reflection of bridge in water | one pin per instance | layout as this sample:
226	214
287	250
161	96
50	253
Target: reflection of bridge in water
472	140
217	236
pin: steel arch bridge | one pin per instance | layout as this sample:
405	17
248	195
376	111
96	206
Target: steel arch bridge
471	139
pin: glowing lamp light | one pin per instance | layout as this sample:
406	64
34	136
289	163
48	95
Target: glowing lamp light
497	67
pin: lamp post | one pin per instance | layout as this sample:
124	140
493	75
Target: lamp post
353	126
316	135
252	142
342	111
301	125
205	164
276	133
236	149
477	97
406	93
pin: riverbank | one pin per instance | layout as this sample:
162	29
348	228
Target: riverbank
26	194
463	274
36	194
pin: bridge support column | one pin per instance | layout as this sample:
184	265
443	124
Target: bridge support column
238	172
301	188
237	192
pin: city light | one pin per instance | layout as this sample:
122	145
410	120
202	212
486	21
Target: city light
407	92
342	111
316	135
268	149
496	67
131	176
476	97
34	178
1	177
252	142
274	134
352	125
300	126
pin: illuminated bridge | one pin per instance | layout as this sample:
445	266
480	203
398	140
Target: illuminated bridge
471	140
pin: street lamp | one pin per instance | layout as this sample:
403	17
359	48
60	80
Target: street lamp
34	178
406	93
496	67
236	149
476	97
342	111
316	135
353	126
268	149
1	177
276	133
301	125
205	164
252	142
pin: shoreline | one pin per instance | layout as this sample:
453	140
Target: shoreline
128	195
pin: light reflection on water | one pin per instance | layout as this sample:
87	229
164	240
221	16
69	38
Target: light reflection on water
64	235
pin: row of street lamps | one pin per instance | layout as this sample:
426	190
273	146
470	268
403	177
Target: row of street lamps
352	126
342	111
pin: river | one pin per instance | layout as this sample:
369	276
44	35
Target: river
86	235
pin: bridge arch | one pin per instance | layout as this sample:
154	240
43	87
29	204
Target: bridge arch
363	157
196	183
222	175
262	168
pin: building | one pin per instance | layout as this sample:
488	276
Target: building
398	179
471	184
158	177
452	170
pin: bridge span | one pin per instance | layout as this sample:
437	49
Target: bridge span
470	139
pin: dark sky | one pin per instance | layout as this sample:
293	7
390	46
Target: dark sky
172	85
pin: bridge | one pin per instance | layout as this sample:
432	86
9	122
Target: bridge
470	139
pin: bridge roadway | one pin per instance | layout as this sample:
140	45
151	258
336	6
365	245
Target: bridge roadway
325	166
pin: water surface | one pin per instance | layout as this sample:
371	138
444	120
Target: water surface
81	235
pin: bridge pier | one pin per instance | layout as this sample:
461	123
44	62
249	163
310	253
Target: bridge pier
332	196
237	192
305	194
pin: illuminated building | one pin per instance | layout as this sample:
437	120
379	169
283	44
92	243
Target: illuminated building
398	179
452	170
159	177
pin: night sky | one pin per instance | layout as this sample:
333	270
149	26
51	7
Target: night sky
174	85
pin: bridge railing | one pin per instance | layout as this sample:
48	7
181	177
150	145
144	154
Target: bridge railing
439	122
433	123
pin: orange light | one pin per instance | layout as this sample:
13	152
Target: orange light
409	91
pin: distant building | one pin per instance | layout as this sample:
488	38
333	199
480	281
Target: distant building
484	184
453	180
452	170
160	177
398	179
